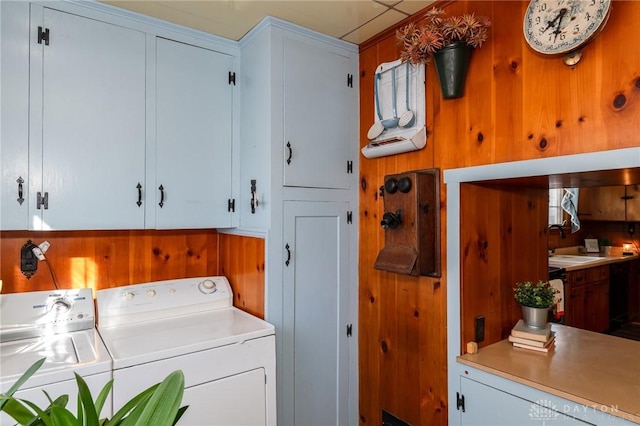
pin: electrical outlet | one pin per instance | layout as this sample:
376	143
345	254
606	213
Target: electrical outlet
480	328
28	260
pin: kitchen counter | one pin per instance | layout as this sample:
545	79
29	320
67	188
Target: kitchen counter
588	368
573	262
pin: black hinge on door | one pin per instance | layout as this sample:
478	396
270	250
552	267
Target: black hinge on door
232	78
231	205
43	35
42	201
349	217
349	166
459	401
349	80
349	330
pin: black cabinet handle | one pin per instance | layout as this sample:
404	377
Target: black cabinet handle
288	255
139	187
161	203
290	152
20	198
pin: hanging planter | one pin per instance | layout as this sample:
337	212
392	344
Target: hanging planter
449	41
452	63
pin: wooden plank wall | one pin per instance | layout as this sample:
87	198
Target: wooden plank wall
518	105
104	259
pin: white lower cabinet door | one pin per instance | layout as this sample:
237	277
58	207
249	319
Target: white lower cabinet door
87	123
315	299
488	406
194	137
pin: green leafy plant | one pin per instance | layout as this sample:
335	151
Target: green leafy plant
603	242
420	41
158	405
539	295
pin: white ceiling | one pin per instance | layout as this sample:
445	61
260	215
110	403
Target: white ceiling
351	20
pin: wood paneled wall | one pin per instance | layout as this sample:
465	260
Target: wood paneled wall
518	105
104	259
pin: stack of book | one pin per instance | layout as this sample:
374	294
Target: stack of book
541	340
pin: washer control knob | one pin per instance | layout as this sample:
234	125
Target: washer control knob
207	287
61	305
151	293
128	295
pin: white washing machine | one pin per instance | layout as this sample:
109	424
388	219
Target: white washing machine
58	325
227	355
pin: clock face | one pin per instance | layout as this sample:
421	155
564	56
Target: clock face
560	26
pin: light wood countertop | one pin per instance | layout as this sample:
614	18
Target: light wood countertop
592	369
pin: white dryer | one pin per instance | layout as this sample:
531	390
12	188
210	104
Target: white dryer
58	325
227	355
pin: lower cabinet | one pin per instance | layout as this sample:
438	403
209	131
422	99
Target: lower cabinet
488	406
316	330
587	299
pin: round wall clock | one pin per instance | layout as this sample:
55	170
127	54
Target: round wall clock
553	27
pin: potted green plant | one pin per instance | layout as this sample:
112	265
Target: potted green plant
449	40
535	300
159	405
605	246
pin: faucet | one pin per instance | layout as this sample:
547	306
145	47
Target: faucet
560	229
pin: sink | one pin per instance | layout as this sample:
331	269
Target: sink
562	260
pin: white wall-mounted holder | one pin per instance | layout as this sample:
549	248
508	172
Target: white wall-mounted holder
399	100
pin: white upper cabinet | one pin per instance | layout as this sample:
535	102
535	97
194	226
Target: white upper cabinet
113	121
194	98
14	137
87	123
318	113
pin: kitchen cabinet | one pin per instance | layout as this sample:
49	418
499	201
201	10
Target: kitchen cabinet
317	116
295	91
101	109
14	110
612	203
587	298
485	405
634	290
194	96
87	123
316	303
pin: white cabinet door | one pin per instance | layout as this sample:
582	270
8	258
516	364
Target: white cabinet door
14	139
87	129
487	406
318	105
315	300
194	137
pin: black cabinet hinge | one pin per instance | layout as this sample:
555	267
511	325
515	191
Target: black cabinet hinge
349	217
232	78
43	35
349	166
460	401
349	80
349	330
231	204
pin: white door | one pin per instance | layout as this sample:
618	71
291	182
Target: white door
194	137
487	406
317	108
87	123
14	127
316	291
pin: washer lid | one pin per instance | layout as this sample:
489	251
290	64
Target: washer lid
79	352
132	344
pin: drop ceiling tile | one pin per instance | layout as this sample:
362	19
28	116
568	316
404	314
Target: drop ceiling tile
375	26
412	6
